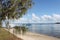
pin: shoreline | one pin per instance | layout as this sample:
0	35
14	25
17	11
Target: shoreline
40	34
36	34
33	36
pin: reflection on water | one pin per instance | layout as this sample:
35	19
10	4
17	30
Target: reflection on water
47	29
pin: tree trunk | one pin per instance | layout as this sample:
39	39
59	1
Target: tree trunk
0	24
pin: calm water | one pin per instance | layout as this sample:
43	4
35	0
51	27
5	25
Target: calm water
47	29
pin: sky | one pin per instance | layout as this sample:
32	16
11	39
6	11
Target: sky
42	11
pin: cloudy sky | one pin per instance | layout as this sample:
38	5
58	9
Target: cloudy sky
43	11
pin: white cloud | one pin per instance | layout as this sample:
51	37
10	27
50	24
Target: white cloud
39	19
22	20
35	18
56	17
46	17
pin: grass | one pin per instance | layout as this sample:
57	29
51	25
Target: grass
5	35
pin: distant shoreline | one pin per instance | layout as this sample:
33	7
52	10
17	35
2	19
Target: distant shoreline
57	23
38	23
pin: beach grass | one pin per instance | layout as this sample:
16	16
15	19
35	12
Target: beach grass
5	35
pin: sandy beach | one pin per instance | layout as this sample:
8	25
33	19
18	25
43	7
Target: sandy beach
34	36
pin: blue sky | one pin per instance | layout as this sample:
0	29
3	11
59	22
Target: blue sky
48	7
42	11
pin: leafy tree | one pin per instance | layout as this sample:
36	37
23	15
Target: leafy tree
24	29
19	29
13	9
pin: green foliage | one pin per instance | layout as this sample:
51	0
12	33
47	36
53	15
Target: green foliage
21	28
17	28
16	9
24	29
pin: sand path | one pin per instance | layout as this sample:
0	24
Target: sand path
33	36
